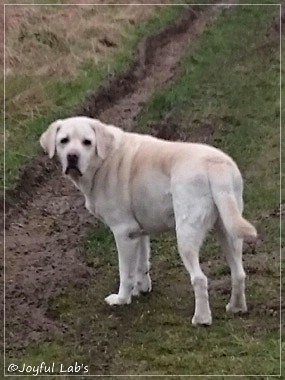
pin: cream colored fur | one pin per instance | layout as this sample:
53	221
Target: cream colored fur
139	185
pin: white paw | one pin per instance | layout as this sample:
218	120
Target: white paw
202	319
239	308
114	299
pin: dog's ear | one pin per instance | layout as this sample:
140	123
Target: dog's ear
104	138
47	139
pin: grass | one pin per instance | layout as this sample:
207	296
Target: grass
230	81
35	97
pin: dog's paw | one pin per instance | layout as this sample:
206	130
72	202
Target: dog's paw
114	299
202	319
143	286
238	308
136	291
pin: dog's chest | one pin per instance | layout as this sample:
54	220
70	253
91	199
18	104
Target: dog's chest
91	207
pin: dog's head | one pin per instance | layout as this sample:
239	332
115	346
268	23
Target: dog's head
81	143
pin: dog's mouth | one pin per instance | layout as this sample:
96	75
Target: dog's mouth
73	171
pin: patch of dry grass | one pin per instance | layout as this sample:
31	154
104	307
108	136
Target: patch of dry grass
48	39
45	43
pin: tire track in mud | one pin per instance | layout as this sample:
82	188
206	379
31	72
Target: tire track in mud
158	63
48	221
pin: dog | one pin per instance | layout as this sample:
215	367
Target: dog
139	185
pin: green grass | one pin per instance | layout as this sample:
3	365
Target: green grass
231	81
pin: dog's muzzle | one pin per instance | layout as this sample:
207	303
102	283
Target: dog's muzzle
72	164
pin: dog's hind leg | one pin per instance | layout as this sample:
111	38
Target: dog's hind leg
195	214
189	244
232	249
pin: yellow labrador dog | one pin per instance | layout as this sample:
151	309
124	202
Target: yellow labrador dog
139	185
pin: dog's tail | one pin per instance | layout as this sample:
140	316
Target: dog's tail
226	186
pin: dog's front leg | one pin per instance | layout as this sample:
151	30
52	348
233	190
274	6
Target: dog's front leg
128	250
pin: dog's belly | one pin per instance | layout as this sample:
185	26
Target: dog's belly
152	206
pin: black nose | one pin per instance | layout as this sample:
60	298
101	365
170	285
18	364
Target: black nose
72	159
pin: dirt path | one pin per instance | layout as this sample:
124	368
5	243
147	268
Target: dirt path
43	237
158	62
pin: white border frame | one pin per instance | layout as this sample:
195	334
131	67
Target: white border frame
280	179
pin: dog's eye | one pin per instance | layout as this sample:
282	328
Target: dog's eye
64	140
86	142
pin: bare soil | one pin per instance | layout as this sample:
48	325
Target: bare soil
46	220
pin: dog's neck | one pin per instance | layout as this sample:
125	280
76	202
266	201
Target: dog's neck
85	183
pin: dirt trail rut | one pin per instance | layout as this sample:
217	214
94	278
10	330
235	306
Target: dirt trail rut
43	236
157	64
